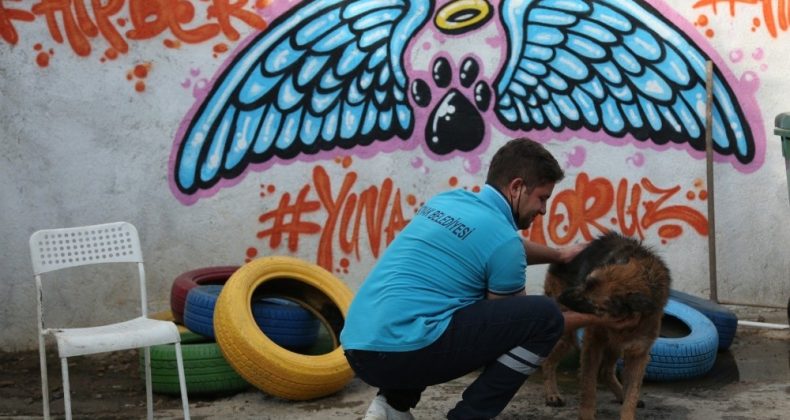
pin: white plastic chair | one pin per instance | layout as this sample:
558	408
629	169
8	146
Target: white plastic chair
55	249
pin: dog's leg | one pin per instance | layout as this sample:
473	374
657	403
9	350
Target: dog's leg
633	372
549	369
608	375
592	354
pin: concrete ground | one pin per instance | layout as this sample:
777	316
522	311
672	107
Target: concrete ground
749	381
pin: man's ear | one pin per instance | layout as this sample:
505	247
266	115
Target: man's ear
514	186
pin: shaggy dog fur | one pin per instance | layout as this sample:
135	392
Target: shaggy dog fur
617	277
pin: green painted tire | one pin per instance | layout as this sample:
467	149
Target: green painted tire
205	369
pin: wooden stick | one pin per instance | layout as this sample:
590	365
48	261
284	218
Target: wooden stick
711	196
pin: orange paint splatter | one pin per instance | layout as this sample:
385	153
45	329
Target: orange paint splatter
37	47
698	183
141	71
670	231
613	220
476	189
344	263
260	4
172	43
756	22
411	199
121	22
709	33
129	76
453	181
702	20
42	59
252	252
270	189
690	195
703	195
111	53
139	86
221	48
347	161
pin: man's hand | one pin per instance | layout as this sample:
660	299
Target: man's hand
566	254
618	322
576	320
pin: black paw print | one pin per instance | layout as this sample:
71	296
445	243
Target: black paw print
456	123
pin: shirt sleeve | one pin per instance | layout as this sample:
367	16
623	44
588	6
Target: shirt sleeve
506	269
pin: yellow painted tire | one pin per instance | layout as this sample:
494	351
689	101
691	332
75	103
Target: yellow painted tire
267	366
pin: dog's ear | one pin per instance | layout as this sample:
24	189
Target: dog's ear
639	302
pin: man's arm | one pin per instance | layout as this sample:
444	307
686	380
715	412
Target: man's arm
542	254
576	320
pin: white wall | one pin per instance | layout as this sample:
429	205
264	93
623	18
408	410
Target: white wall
80	145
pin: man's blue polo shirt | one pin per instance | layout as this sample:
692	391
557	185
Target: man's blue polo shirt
459	246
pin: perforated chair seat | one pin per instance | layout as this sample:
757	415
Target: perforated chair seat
135	333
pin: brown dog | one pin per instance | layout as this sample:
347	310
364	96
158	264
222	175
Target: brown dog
616	277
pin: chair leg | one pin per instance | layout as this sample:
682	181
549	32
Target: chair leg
149	396
182	381
44	380
64	367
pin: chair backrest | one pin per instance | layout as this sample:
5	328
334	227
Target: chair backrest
53	249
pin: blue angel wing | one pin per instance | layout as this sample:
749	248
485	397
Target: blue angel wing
616	66
326	74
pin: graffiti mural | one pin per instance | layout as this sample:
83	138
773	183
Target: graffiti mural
347	217
334	75
117	22
775	13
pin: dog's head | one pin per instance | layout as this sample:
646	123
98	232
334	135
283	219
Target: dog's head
614	289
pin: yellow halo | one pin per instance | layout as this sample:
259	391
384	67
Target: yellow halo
462	15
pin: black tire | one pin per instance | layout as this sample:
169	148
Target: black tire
725	320
205	368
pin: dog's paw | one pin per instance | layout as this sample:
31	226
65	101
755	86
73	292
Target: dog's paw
554	401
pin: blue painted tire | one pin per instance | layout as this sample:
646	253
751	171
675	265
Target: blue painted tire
725	320
685	357
199	309
284	322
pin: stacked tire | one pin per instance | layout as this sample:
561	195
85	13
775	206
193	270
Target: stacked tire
259	324
205	369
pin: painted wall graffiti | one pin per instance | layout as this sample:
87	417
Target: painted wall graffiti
328	75
116	22
381	208
346	216
775	14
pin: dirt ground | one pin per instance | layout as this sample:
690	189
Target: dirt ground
749	381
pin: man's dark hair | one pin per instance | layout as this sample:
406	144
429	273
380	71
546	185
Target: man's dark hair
526	159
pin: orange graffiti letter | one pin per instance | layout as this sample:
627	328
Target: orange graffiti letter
323	188
77	39
223	11
7	30
151	17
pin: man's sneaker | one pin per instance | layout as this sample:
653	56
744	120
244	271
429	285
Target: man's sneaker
380	410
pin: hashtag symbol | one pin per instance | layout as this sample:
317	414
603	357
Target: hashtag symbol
286	219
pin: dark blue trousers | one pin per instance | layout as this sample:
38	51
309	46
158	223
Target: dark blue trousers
507	337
